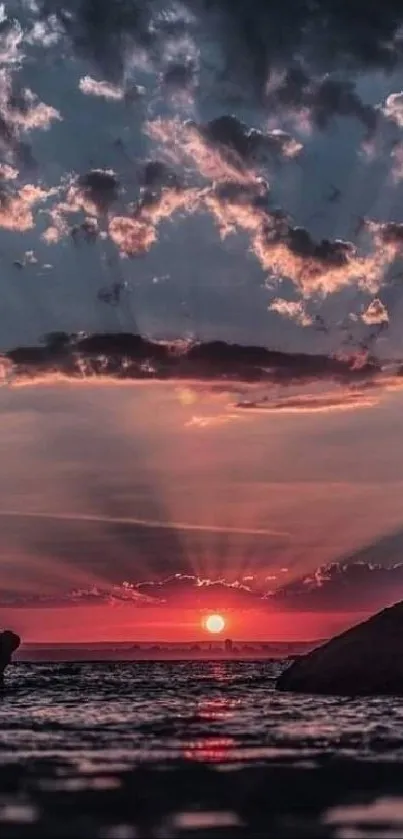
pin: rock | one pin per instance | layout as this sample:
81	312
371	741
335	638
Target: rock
366	660
9	643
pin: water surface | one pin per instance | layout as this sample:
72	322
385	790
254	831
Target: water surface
193	749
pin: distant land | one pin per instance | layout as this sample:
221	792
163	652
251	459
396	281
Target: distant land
156	651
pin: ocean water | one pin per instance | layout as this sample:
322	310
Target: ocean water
203	749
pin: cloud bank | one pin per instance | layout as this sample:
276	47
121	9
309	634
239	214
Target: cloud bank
125	356
345	587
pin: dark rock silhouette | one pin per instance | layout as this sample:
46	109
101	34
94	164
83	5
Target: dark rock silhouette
9	643
366	660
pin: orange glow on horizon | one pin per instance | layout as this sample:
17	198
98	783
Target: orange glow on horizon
215	624
88	623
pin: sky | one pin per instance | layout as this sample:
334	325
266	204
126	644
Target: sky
222	180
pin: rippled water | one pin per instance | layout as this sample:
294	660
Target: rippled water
181	747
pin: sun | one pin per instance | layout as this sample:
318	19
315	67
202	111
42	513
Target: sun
215	624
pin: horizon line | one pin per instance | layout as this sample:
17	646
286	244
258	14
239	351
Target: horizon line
129	644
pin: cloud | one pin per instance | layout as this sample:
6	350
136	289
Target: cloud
224	149
249	376
376	313
136	233
238	201
322	100
245	36
25	112
102	32
208	421
95	595
157	175
113	594
16	206
225	162
97	190
7	172
343	587
179	590
343	401
320	267
180	76
285	251
241	204
259	38
102	89
134	229
388	233
11	37
147	524
87	231
182	143
111	92
204	593
21	111
294	310
244	145
132	236
91	195
223	152
393	108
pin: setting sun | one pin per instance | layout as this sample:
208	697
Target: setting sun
215	624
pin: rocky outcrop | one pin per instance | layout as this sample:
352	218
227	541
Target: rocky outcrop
366	660
9	643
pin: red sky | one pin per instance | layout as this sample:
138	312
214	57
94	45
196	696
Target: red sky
263	499
102	623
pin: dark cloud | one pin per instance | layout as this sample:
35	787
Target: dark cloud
325	252
293	42
102	30
245	145
255	195
332	98
87	232
100	187
127	356
324	99
358	583
258	37
156	175
179	75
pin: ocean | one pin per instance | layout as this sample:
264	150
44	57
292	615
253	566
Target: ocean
193	749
